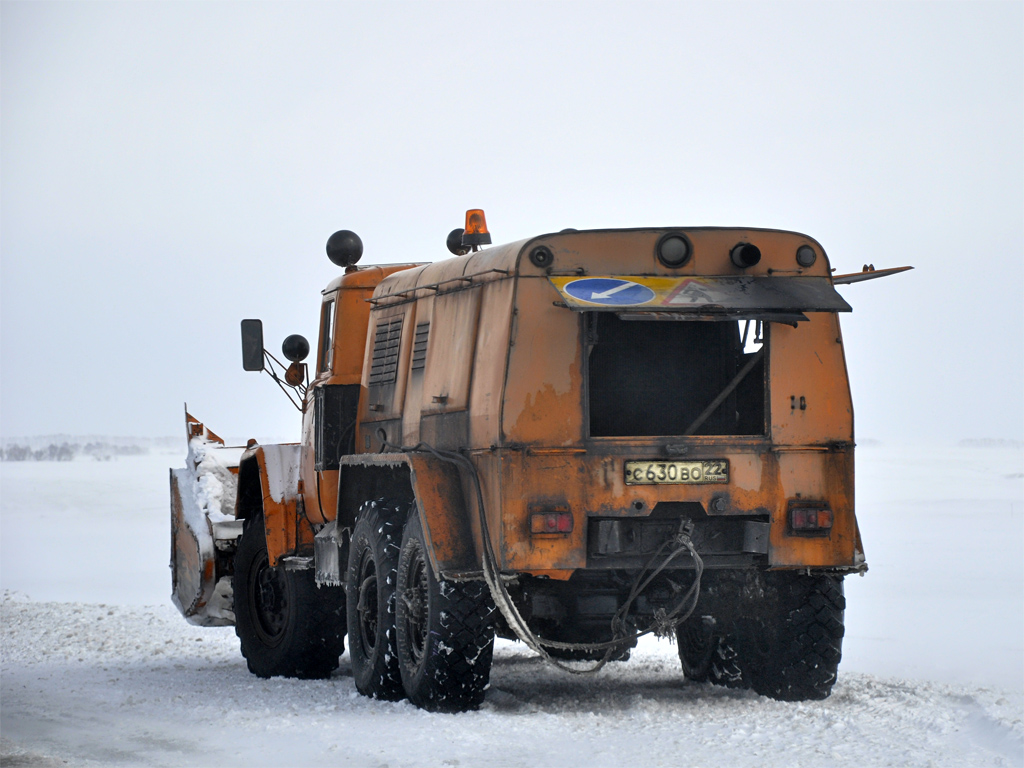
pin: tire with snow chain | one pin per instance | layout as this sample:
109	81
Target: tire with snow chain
800	651
287	625
725	668
706	655
697	642
445	631
370	593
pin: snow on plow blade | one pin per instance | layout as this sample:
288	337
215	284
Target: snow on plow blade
203	527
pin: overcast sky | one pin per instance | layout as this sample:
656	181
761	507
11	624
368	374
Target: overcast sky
167	169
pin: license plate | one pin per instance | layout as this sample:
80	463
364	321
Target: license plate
677	472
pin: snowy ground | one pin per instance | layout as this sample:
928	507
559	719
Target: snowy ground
99	669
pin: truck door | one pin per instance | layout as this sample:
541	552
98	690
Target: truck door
329	420
334	404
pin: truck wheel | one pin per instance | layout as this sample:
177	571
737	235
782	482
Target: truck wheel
445	631
805	645
725	668
370	589
287	626
697	644
706	655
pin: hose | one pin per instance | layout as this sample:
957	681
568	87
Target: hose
664	623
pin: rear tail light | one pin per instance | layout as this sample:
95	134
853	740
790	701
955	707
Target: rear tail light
810	519
551	521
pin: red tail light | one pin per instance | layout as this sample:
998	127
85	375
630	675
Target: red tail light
551	521
809	518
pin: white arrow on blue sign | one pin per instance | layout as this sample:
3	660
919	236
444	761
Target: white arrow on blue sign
609	290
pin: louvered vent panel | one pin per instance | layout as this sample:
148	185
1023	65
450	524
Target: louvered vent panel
384	365
419	346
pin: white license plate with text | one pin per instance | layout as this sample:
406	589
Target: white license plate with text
677	472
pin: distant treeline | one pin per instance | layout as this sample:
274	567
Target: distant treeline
68	451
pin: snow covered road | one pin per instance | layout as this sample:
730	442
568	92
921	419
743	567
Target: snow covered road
111	685
99	669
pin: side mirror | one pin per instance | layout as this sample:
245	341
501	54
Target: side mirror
252	345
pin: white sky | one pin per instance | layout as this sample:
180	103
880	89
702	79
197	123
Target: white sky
167	169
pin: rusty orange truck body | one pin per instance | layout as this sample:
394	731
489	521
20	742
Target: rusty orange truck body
570	440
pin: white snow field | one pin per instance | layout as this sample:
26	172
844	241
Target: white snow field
99	669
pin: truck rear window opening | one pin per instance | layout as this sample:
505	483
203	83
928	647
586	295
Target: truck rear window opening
675	378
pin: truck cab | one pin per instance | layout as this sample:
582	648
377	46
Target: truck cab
331	403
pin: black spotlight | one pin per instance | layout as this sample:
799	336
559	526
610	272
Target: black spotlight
541	256
295	348
745	255
344	248
454	242
805	256
673	249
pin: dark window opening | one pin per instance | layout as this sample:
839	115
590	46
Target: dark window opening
675	378
326	340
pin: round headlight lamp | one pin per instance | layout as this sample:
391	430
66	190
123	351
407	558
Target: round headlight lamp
673	249
805	256
541	256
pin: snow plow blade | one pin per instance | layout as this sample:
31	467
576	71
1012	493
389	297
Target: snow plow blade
204	528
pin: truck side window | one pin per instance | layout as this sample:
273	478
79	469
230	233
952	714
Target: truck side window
326	340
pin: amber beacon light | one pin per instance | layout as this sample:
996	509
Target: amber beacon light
476	229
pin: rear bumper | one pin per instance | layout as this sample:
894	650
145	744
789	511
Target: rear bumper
623	543
742	523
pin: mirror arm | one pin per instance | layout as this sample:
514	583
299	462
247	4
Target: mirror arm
270	370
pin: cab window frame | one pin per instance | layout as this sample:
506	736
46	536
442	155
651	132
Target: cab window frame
325	352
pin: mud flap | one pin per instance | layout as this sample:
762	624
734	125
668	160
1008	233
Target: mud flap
328	556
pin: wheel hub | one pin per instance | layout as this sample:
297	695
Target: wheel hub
416	597
367	604
268	601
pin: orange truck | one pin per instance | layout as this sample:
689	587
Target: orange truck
571	440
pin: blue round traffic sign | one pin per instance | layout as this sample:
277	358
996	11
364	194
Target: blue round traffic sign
611	291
